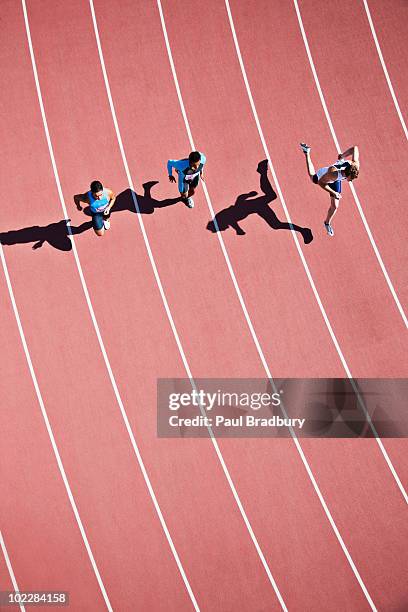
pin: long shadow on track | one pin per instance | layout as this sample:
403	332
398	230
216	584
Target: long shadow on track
244	206
56	234
147	204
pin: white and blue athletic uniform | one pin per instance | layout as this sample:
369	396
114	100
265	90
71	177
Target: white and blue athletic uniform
186	176
340	165
97	207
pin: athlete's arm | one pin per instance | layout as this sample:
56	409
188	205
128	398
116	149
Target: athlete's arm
333	193
355	157
329	177
203	160
112	198
353	152
172	163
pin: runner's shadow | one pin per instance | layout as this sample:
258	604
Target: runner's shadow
243	207
55	234
147	205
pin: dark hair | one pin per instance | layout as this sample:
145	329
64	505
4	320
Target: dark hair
194	157
351	171
96	186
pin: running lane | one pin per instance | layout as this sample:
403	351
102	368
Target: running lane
41	534
5	578
363	113
353	290
221	123
351	285
220	559
123	72
117	513
390	23
208	531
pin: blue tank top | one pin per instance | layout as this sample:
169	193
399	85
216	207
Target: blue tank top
98	205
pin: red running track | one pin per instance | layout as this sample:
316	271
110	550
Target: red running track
130	549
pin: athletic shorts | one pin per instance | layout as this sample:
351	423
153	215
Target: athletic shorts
193	183
336	186
97	220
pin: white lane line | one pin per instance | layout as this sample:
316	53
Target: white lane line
249	322
95	323
9	567
169	315
51	434
353	190
384	67
305	265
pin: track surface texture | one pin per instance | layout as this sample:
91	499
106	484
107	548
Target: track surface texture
93	501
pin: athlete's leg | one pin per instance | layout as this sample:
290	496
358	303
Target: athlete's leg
184	188
193	186
106	221
309	164
186	197
334	205
334	202
97	224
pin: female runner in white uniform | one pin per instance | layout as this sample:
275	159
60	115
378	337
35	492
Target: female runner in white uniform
330	178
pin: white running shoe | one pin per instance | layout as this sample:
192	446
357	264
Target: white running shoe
329	229
305	148
106	224
190	202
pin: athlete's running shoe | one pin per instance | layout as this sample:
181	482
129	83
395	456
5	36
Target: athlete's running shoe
305	148
329	229
106	224
190	202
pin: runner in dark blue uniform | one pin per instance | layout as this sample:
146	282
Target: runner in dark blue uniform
189	173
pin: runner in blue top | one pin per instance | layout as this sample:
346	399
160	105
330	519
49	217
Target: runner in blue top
189	173
100	201
330	178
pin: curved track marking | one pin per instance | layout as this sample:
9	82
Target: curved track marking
353	191
9	567
169	315
384	67
92	313
50	433
306	267
262	357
